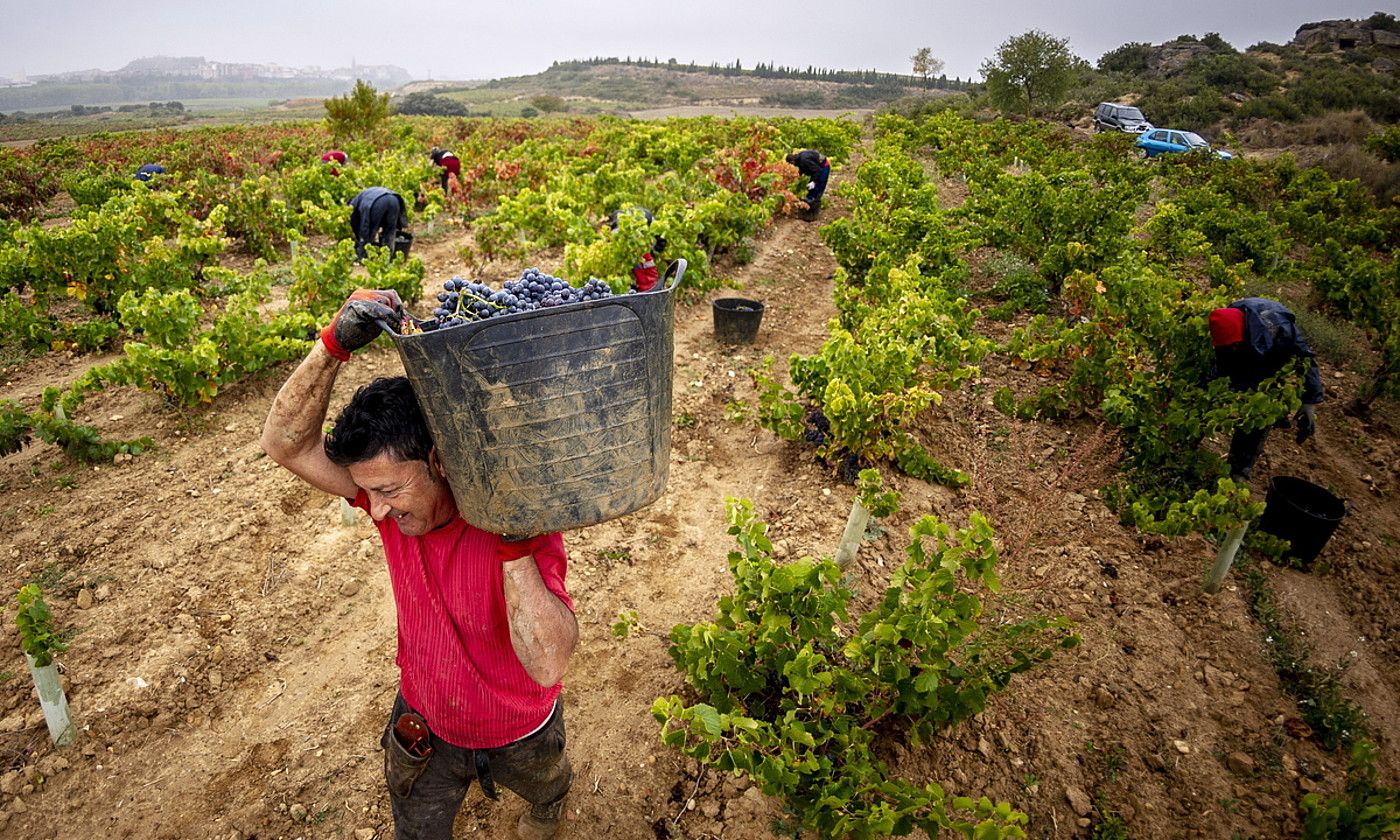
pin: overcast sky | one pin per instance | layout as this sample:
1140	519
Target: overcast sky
490	38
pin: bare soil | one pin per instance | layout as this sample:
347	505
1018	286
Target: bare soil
233	667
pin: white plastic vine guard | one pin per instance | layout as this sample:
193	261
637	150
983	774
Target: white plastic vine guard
53	701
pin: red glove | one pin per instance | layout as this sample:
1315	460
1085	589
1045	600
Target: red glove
357	322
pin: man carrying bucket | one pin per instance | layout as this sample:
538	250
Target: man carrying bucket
1254	339
485	625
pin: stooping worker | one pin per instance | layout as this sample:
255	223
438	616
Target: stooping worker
817	168
377	215
334	158
148	171
449	163
485	625
644	274
1254	339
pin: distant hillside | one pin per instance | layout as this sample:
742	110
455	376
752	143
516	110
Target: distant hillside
166	78
607	86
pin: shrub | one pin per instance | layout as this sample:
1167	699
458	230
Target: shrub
422	103
1385	144
549	103
1351	163
1274	107
1129	58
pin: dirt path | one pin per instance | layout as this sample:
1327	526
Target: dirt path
234	667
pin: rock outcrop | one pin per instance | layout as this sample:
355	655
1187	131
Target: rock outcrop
1343	35
1173	57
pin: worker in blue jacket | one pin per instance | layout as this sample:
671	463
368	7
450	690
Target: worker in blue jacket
817	168
377	215
148	171
1254	339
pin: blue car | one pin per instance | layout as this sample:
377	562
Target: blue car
1160	141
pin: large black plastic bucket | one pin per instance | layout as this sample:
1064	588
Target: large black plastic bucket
553	419
1302	513
737	319
402	242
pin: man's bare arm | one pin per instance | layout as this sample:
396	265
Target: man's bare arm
292	434
543	631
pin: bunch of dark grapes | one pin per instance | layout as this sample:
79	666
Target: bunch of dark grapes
463	301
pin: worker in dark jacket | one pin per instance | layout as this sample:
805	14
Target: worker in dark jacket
817	168
644	274
149	171
377	215
1254	339
450	164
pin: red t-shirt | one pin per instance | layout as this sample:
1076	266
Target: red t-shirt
451	163
456	664
644	273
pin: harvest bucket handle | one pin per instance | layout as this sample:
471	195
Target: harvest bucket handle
677	267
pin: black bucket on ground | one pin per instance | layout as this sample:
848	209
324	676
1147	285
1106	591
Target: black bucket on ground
402	242
737	319
553	419
1302	513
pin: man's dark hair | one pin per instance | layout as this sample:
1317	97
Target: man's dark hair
382	417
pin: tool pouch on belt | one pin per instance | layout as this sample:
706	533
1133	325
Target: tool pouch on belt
406	753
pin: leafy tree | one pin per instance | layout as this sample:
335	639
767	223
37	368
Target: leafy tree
360	115
925	65
427	104
1030	71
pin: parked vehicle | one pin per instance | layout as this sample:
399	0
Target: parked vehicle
1160	141
1110	116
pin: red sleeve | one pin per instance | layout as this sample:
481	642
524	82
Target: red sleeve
550	557
361	500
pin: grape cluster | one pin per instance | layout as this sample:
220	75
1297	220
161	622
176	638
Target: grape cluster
463	301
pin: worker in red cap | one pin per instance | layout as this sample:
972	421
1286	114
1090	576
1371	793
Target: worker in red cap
1254	339
334	157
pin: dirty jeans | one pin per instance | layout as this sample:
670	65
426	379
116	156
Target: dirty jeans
817	187
1245	448
427	793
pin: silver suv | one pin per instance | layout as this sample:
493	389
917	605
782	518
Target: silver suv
1110	116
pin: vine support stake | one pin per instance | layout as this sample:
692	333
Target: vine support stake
851	537
1224	558
53	701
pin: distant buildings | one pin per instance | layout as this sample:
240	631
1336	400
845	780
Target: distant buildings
197	67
